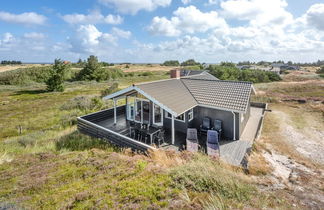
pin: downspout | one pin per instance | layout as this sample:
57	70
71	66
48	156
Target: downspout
234	126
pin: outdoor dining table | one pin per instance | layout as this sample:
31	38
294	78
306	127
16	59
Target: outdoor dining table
151	131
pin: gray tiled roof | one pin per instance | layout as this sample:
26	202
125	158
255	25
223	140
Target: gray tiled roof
180	95
172	93
228	95
202	75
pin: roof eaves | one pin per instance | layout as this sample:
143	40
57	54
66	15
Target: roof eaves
118	93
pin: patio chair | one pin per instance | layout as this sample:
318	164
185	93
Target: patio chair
192	140
212	143
218	127
159	137
205	126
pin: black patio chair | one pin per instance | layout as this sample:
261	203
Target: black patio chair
160	137
212	143
218	127
205	126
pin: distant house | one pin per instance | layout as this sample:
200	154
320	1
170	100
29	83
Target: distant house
174	105
283	66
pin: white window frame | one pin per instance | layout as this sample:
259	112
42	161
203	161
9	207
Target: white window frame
192	115
129	117
184	117
141	100
161	110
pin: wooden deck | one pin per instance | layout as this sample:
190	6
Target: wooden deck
231	151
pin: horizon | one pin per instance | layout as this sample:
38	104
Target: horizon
138	31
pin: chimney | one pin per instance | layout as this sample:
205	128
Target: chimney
175	73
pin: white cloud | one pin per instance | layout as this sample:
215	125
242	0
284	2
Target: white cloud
315	16
121	33
211	2
92	18
186	20
113	19
185	1
258	12
34	35
88	39
133	6
27	18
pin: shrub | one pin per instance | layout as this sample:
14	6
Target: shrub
92	70
25	76
57	76
190	62
171	63
320	70
145	74
78	142
228	72
83	103
113	88
205	175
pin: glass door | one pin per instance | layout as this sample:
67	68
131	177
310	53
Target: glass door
157	115
146	112
138	110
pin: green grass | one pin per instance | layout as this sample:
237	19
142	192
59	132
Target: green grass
50	165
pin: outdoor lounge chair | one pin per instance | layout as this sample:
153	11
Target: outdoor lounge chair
218	127
205	126
192	140
212	143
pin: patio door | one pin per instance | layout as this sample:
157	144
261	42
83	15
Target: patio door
157	115
142	111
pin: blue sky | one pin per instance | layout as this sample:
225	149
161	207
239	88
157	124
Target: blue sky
157	30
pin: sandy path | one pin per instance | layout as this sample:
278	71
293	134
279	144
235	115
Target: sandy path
307	142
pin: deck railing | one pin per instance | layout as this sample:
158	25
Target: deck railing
87	125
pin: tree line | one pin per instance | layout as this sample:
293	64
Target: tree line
10	62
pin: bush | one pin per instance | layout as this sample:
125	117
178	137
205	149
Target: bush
145	74
83	103
24	76
79	142
171	63
320	70
113	88
228	72
57	76
190	62
205	175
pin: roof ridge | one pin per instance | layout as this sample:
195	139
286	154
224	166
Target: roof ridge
188	78
155	81
189	91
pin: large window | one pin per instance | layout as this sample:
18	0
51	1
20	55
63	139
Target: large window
157	115
179	118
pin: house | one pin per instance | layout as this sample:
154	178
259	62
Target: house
283	66
175	104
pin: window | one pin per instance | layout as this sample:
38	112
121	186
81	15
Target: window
179	118
130	108
190	115
157	115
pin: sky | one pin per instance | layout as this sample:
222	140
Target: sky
152	31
